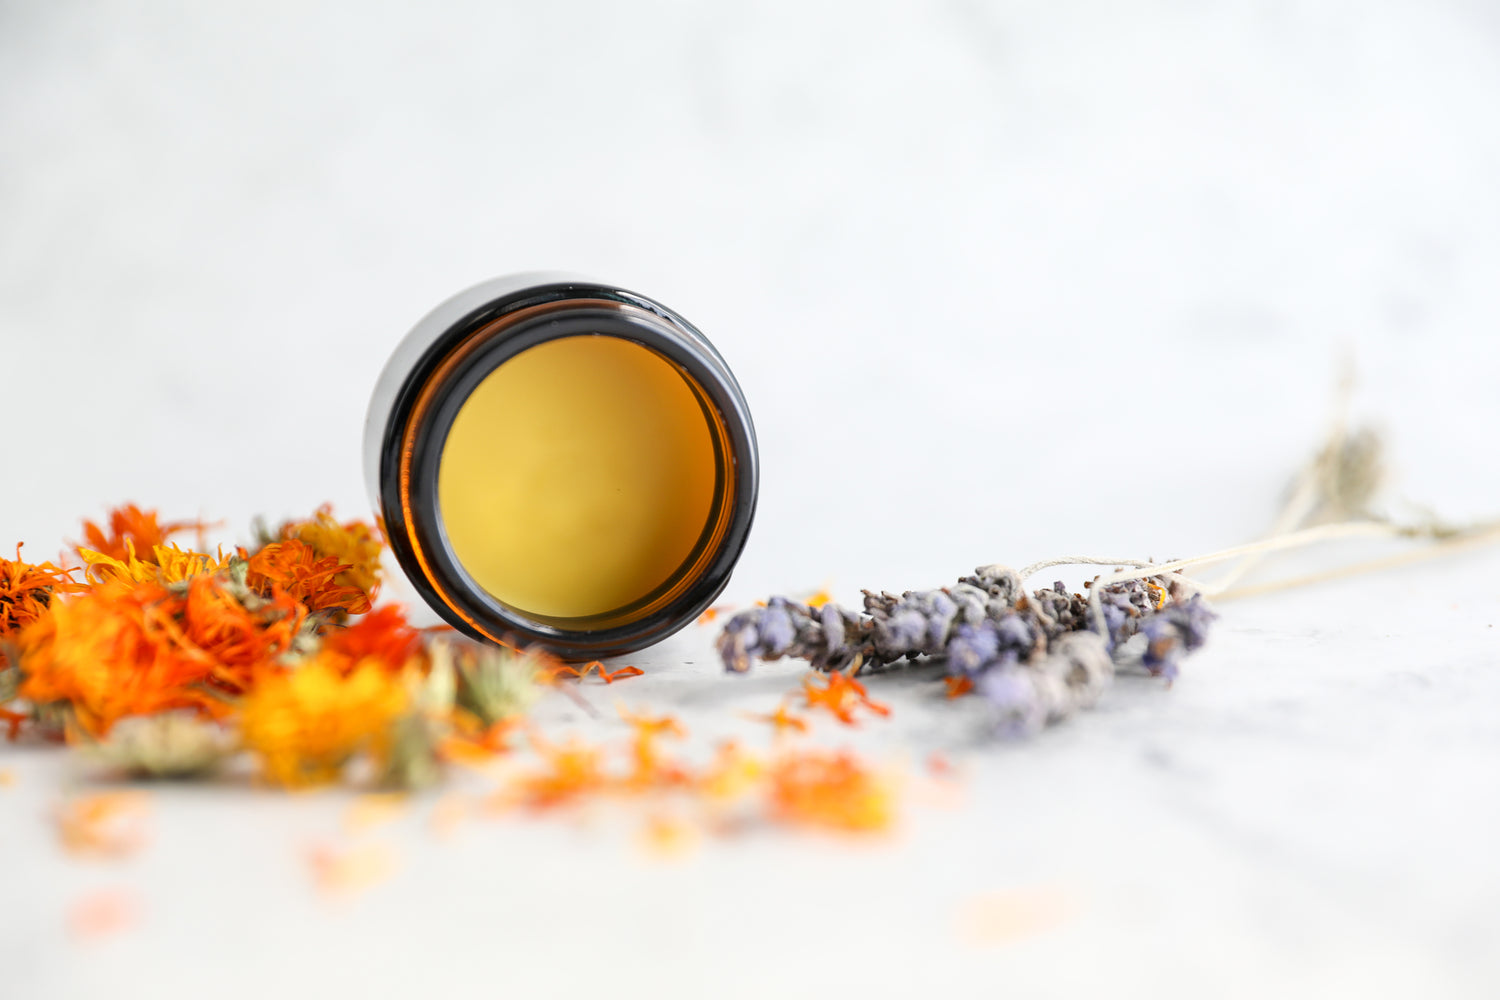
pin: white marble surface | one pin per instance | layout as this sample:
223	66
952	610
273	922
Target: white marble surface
1001	281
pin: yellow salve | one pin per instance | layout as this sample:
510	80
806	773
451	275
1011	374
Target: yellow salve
577	477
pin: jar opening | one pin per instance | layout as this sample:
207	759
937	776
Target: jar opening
579	479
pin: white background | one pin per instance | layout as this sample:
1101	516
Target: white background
1000	280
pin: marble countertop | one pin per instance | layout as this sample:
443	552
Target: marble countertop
1001	282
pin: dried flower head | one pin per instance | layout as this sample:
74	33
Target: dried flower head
296	568
412	755
306	723
115	652
133	533
495	683
383	636
166	745
355	545
1173	634
26	591
164	564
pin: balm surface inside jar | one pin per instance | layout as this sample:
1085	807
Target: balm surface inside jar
578	478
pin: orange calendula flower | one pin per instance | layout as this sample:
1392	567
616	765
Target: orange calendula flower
133	533
831	790
839	695
296	568
26	591
355	544
114	652
383	636
236	638
306	723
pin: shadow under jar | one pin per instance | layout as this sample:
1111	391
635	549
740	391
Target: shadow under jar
562	462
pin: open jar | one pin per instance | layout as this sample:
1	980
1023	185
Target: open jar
562	462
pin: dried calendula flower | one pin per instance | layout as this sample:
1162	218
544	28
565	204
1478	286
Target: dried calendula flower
383	636
115	652
129	648
354	544
306	723
236	631
133	533
411	757
494	682
27	590
832	790
166	564
296	568
167	745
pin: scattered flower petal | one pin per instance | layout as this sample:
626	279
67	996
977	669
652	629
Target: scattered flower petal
347	871
103	913
103	824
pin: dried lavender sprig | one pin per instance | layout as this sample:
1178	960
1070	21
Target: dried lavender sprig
983	618
828	637
1037	658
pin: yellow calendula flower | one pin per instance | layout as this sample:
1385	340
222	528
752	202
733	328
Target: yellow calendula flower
355	544
306	723
168	564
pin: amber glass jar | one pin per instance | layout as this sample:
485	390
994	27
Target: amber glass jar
563	462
